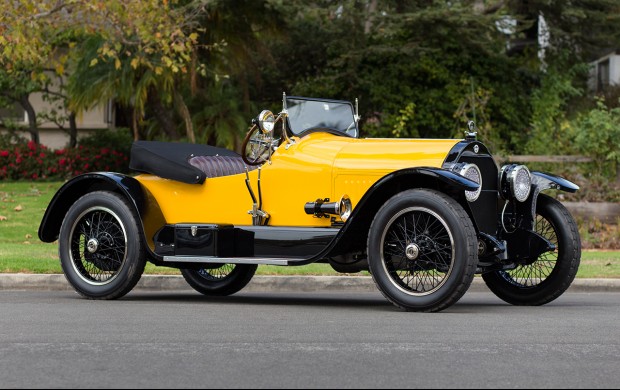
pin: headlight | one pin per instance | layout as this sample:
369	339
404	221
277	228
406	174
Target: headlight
472	172
516	182
266	121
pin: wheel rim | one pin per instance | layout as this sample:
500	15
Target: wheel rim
98	246
417	251
217	274
532	275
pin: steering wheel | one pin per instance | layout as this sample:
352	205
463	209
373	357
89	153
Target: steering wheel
257	146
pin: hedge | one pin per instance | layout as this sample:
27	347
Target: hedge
29	161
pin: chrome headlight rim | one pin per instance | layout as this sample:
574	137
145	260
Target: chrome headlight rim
519	181
472	172
266	121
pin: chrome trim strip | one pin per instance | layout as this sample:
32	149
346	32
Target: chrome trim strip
225	260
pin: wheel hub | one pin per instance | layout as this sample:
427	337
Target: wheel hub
92	245
412	251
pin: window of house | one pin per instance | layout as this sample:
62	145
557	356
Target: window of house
12	113
603	75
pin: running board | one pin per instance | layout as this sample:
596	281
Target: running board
226	260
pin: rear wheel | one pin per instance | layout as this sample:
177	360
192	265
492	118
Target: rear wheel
100	246
422	250
548	277
223	280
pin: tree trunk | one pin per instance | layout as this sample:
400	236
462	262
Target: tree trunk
134	124
72	130
372	8
32	119
185	114
164	116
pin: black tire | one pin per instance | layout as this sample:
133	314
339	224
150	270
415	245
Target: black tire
221	281
100	247
553	272
430	267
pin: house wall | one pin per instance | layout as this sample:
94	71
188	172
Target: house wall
54	137
614	71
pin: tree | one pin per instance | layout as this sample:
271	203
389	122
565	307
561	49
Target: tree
16	87
138	49
234	51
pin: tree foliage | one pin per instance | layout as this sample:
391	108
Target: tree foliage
420	67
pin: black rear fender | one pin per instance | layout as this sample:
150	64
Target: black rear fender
355	231
79	186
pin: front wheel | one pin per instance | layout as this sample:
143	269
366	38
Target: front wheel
218	281
422	250
100	246
552	273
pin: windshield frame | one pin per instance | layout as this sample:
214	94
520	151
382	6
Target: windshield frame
339	132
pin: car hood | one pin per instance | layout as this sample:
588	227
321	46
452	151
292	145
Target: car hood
382	156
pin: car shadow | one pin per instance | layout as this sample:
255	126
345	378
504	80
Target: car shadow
256	298
482	302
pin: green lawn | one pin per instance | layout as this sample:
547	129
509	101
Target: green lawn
22	206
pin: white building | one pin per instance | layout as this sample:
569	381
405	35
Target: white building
100	117
605	72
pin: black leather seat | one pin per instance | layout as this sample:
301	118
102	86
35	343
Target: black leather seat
171	160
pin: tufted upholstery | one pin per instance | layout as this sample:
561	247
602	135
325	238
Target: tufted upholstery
216	166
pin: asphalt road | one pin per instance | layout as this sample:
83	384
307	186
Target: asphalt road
301	340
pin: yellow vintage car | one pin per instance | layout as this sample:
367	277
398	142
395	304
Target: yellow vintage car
423	216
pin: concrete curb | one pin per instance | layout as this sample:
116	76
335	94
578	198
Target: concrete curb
57	282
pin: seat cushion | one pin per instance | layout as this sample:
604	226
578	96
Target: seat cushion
217	166
170	159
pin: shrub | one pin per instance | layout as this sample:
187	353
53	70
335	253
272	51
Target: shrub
597	134
119	139
28	161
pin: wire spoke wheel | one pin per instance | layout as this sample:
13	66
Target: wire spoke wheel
217	274
545	278
219	280
530	275
418	251
98	246
422	250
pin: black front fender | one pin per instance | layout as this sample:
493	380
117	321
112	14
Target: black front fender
353	234
77	187
545	181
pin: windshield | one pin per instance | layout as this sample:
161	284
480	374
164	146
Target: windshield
335	115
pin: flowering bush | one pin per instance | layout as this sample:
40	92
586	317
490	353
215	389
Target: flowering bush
37	162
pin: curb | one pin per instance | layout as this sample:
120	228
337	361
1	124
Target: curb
57	282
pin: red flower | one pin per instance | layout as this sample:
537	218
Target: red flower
59	152
35	176
18	160
42	155
62	161
4	153
31	145
86	166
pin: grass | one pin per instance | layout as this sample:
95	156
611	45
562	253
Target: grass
23	204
